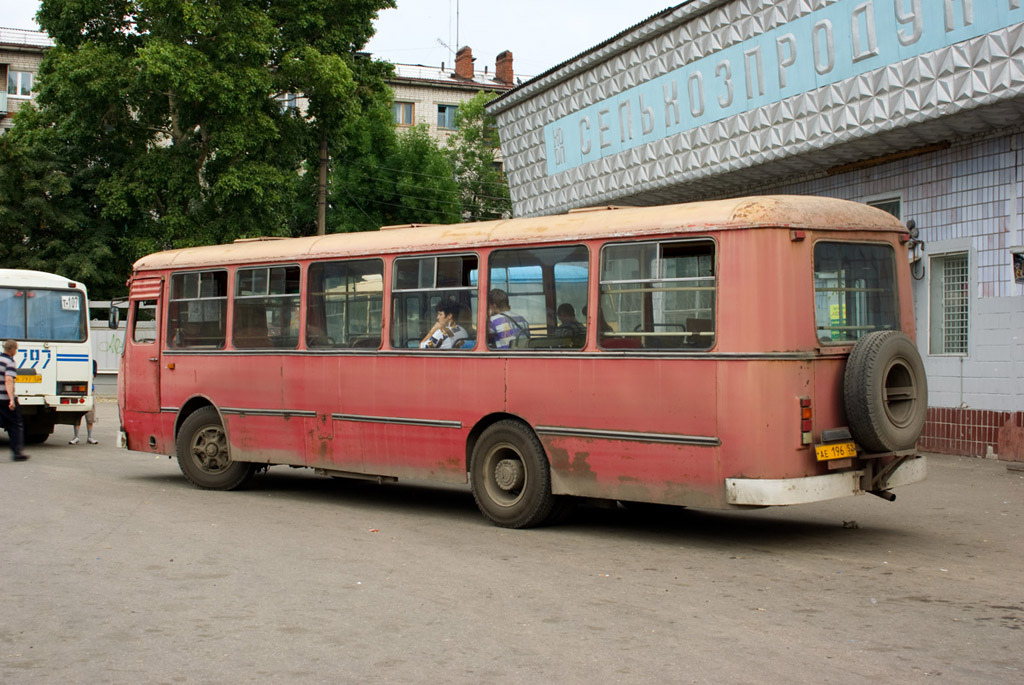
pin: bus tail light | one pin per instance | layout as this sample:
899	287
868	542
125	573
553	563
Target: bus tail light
806	431
74	388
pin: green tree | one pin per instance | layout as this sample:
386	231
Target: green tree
473	150
42	219
422	181
157	125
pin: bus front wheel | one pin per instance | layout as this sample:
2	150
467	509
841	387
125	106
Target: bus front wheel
203	454
510	476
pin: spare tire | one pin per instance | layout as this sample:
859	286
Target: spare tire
886	392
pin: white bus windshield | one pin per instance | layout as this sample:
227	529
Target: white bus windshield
43	315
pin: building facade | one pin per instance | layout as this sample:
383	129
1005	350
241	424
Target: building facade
21	53
432	95
916	106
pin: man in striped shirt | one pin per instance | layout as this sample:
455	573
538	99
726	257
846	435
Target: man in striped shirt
504	328
10	412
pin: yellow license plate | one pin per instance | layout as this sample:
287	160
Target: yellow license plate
29	379
835	450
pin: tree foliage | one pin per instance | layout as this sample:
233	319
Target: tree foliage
161	125
473	151
158	125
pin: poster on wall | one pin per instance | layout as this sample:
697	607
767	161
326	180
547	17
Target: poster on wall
1018	265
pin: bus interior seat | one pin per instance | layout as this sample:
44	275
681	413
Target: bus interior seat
616	343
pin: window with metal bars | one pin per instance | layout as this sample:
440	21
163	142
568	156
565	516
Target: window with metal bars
950	304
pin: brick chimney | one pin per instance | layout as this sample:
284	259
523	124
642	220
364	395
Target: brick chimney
503	68
464	63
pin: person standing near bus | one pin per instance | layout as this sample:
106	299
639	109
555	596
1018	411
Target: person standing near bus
503	326
445	334
90	417
10	412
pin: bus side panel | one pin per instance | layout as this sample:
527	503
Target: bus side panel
266	439
314	384
234	384
759	405
684	475
427	404
140	427
667	405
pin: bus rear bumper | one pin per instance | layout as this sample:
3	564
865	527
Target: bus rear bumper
782	491
59	403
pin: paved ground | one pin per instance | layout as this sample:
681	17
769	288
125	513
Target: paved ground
115	570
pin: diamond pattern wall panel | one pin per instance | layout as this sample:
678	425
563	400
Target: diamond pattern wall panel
953	90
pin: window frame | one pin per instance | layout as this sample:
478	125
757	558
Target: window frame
490	285
395	291
658	241
933	304
19	83
27	320
894	281
138	306
449	117
310	294
881	200
401	106
171	300
235	298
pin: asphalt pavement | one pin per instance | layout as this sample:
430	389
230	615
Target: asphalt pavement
116	570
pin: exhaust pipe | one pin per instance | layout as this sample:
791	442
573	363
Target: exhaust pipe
887	495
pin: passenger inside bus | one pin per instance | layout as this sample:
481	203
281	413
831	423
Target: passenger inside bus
446	333
504	328
569	328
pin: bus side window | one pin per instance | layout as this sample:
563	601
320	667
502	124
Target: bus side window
144	321
197	310
346	304
547	288
658	295
420	284
266	313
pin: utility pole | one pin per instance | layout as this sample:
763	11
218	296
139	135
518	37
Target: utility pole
321	195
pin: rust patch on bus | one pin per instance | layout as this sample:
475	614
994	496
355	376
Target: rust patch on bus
577	464
580	467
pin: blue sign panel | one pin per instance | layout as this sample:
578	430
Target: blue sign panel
845	39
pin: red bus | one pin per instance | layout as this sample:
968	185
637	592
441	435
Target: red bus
738	353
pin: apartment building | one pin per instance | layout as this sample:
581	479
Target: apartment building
432	95
21	53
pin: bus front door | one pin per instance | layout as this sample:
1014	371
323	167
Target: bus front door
142	358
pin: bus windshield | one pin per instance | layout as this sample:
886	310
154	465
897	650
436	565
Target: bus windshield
45	315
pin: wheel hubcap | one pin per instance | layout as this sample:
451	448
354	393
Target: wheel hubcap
509	474
209	449
505	476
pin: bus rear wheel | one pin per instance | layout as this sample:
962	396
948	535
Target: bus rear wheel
510	476
203	454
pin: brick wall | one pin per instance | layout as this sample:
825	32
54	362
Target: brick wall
975	432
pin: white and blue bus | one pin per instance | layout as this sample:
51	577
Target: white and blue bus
49	317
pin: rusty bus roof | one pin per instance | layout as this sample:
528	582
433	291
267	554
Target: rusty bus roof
787	211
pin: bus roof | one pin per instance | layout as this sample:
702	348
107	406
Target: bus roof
785	211
37	279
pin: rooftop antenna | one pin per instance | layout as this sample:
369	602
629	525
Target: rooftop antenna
447	47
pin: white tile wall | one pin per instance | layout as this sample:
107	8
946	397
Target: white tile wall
966	197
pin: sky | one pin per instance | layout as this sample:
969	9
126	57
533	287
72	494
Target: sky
540	33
